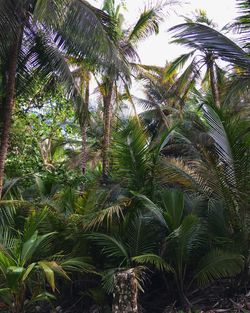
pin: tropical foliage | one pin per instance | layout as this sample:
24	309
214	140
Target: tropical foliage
102	209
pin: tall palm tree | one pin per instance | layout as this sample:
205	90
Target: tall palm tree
206	58
33	36
83	74
126	40
196	35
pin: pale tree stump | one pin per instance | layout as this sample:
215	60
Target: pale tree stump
125	292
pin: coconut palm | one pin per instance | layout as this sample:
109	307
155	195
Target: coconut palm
128	250
126	40
206	57
205	38
83	75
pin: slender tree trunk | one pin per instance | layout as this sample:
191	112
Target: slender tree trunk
214	84
84	148
84	131
125	293
8	103
107	103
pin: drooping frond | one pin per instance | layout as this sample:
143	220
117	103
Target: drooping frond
96	219
152	208
175	171
202	37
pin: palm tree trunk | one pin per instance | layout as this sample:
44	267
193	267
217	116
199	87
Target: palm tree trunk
125	293
84	148
107	98
84	132
8	103
214	84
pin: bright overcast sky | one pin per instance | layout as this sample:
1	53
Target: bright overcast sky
156	50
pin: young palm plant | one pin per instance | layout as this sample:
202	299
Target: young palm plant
185	245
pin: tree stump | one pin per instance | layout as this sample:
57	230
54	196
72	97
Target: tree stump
125	292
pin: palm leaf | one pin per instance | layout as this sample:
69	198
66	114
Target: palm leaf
111	246
153	259
202	37
218	264
147	24
151	207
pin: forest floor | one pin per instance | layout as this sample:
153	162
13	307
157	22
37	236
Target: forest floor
215	302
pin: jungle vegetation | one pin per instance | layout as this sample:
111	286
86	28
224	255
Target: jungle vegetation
112	201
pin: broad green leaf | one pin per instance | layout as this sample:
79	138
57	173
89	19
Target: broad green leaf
13	275
49	273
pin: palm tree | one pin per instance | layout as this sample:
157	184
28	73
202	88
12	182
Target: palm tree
33	35
196	35
126	41
192	72
128	251
159	103
83	74
216	165
185	245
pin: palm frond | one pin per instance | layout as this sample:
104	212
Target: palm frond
147	24
176	65
173	203
242	22
202	37
131	155
111	246
218	264
154	260
140	237
151	207
97	219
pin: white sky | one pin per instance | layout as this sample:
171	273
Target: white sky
156	49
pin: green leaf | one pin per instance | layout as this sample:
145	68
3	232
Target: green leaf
218	264
151	206
44	296
202	37
29	247
111	246
154	260
28	271
49	273
13	276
